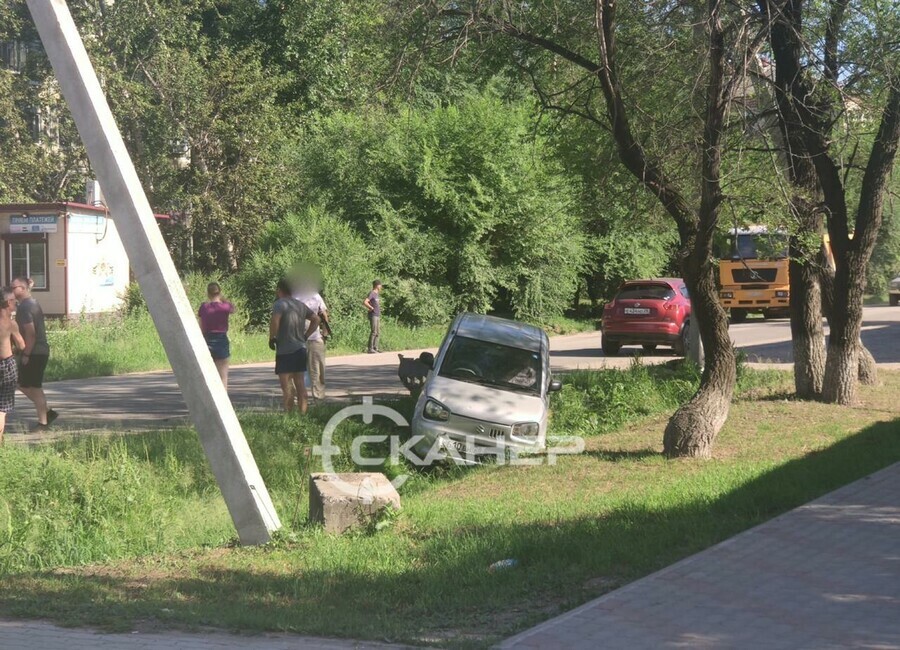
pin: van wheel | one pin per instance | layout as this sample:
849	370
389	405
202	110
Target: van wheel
610	348
738	315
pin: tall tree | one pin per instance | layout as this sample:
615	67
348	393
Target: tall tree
817	50
583	74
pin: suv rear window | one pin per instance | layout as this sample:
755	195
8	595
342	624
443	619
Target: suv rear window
646	292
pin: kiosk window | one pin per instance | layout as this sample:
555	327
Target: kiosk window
29	259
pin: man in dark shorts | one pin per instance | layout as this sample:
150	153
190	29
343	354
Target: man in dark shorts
9	372
287	336
33	362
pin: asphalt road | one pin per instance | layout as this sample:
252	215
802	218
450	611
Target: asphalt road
153	400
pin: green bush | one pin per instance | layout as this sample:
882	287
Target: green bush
133	300
418	303
194	284
593	402
464	206
316	238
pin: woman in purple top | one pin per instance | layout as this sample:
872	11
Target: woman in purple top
214	325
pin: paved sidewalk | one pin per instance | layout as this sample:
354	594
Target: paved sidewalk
15	635
826	575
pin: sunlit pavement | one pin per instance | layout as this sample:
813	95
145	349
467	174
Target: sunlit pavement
153	400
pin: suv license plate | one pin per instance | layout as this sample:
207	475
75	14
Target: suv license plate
642	311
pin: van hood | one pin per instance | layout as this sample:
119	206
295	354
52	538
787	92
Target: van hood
485	402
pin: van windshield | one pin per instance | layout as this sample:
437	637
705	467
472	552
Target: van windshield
492	364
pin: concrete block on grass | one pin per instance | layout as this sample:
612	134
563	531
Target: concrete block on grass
342	502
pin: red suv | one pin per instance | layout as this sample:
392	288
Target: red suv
649	313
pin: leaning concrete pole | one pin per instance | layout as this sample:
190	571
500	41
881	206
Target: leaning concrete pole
220	432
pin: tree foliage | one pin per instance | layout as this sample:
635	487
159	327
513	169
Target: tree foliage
462	204
479	176
312	237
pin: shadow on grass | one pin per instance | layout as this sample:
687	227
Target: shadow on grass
434	585
621	455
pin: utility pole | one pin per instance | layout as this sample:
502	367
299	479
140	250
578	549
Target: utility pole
213	415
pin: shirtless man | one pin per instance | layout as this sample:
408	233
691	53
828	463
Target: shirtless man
9	374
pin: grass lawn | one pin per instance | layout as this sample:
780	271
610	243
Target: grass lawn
130	533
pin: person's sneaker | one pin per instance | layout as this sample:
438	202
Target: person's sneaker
51	416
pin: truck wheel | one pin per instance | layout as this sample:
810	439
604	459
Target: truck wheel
610	348
738	315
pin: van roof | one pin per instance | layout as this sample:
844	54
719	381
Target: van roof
502	331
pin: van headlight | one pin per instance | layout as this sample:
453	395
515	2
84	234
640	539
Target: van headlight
526	430
435	411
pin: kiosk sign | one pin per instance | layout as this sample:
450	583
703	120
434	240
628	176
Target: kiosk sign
34	223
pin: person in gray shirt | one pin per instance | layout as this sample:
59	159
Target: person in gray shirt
288	332
372	303
33	362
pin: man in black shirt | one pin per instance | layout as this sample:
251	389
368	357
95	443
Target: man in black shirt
33	362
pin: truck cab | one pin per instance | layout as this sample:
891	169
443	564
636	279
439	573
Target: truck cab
753	273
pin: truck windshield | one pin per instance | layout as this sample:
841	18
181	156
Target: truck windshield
760	246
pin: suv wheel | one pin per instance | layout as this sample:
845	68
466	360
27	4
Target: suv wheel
894	299
610	348
681	344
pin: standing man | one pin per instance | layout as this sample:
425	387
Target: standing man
315	342
9	372
373	304
287	336
30	319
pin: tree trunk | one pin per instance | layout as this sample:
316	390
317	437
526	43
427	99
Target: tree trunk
692	430
807	334
867	371
842	365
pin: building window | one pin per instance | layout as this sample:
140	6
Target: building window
28	259
13	55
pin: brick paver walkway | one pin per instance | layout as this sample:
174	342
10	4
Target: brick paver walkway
826	575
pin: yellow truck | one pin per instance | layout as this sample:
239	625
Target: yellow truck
753	273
